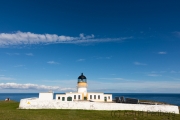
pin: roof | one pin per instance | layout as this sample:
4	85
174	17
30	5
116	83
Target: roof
82	76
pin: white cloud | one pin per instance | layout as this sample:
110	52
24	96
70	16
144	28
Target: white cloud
52	62
19	66
109	57
80	60
28	38
178	79
163	71
29	54
177	33
113	74
154	75
86	37
111	78
13	53
162	53
172	71
6	78
138	63
32	86
100	86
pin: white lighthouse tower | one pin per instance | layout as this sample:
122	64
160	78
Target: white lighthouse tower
82	85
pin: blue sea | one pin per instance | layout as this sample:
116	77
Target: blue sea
161	97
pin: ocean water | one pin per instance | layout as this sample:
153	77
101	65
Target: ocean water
161	97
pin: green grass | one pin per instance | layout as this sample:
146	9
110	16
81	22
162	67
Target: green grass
9	111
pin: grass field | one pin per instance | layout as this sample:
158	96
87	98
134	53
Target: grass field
9	111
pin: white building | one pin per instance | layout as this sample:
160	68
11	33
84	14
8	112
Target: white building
82	93
46	96
82	100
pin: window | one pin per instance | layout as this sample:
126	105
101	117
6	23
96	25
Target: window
98	96
79	97
108	97
69	98
90	96
74	96
63	98
94	96
58	98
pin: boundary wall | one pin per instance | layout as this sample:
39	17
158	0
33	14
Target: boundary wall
36	103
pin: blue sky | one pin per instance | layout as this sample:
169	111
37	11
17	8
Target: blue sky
120	46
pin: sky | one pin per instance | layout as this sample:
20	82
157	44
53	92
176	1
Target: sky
121	46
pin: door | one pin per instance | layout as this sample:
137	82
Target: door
105	99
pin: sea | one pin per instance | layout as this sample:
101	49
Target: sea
171	98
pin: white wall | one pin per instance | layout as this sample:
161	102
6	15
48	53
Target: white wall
69	95
60	95
55	104
96	94
109	97
72	95
102	95
46	96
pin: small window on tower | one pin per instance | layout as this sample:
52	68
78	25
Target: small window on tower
58	98
94	96
79	97
74	96
108	97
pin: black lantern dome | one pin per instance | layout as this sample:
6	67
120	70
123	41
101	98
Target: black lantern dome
82	78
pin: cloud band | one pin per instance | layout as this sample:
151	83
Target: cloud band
28	38
31	86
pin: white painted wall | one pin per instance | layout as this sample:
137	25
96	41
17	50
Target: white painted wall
55	104
102	95
109	97
46	96
60	95
77	94
69	95
96	94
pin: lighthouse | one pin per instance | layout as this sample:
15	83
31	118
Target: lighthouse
83	94
82	85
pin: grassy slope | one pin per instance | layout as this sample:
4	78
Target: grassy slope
9	111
